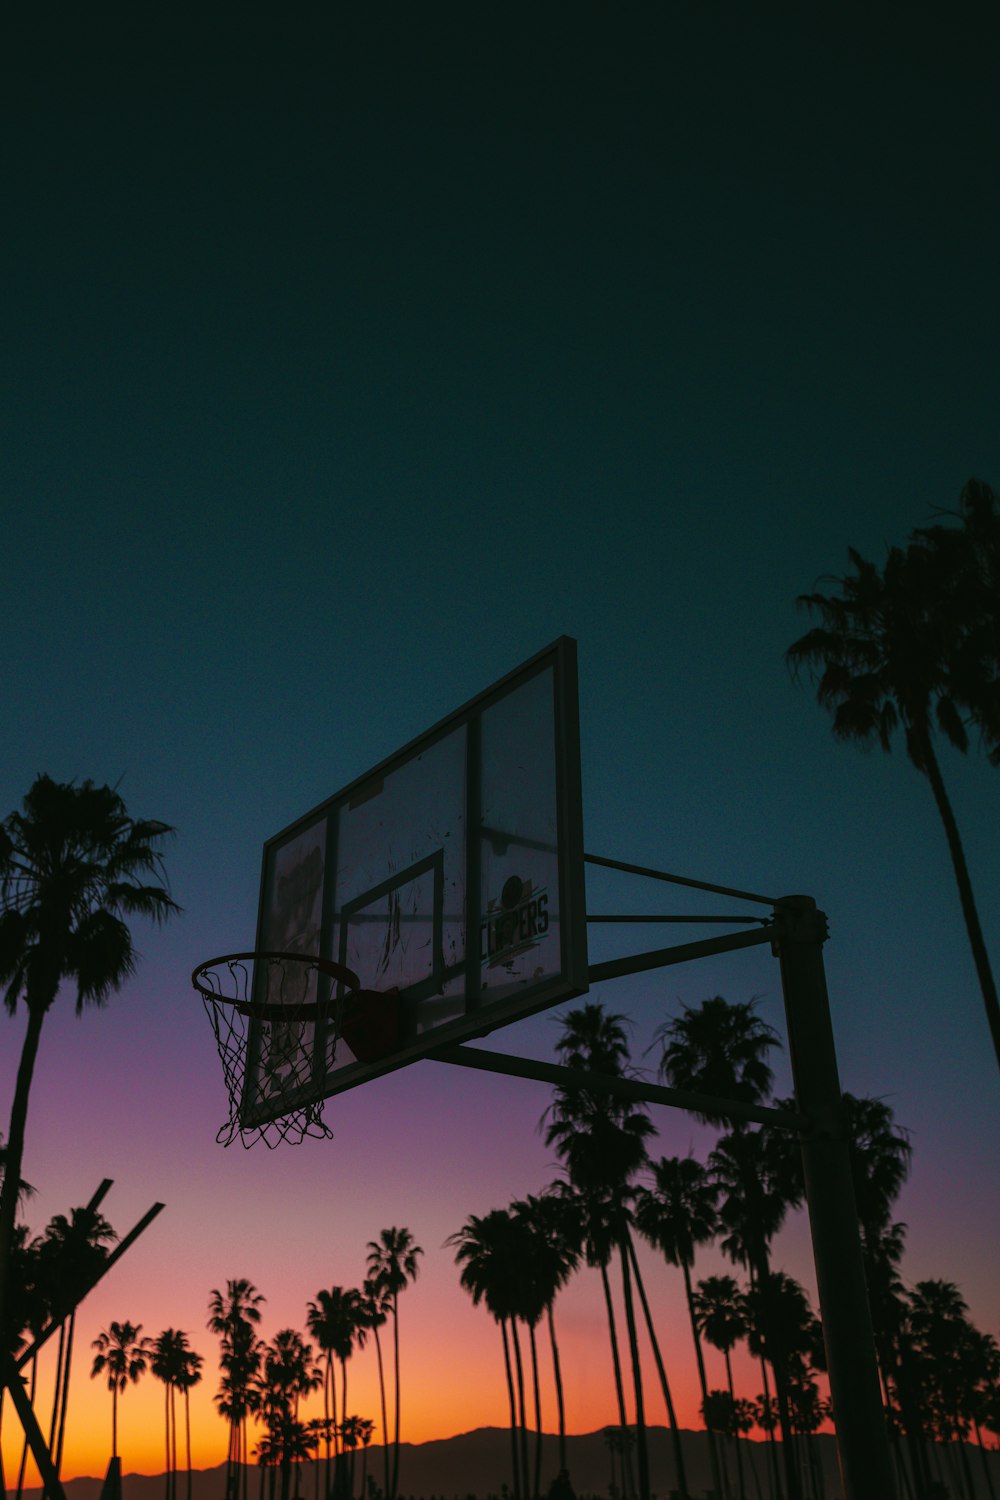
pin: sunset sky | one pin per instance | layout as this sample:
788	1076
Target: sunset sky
352	355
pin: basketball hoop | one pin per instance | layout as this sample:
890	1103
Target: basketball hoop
275	1017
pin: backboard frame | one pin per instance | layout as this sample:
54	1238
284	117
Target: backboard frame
482	1014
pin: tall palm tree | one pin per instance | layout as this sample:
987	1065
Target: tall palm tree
234	1316
288	1372
72	1251
676	1214
73	867
393	1261
122	1353
601	1141
555	1255
719	1047
942	1339
892	652
486	1249
337	1322
376	1303
720	1314
188	1377
757	1189
168	1362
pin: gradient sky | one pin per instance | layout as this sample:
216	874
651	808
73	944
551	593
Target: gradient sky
350	358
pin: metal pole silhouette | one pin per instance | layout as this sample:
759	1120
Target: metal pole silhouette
862	1441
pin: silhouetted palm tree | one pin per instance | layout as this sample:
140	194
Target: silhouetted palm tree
72	1252
287	1373
720	1313
336	1321
718	1047
188	1377
234	1316
122	1354
752	1170
893	651
393	1261
376	1301
73	866
555	1256
675	1215
486	1249
945	1345
601	1141
168	1362
287	1441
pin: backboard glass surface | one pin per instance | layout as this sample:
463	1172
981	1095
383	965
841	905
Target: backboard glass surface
449	878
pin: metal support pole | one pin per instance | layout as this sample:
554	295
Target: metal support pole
39	1448
862	1440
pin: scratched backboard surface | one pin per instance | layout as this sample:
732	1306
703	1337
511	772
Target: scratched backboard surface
449	878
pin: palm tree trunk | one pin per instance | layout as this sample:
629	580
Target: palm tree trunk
395	1419
619	1388
57	1389
64	1402
187	1427
682	1488
736	1436
642	1452
173	1445
980	957
166	1440
713	1452
538	1413
515	1464
327	1380
381	1387
557	1372
24	1449
114	1422
780	1383
14	1153
522	1422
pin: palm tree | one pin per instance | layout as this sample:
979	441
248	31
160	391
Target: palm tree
893	651
121	1353
288	1441
166	1364
72	1252
555	1255
486	1249
376	1302
336	1321
73	866
943	1339
720	1314
188	1377
719	1047
288	1373
601	1141
752	1168
675	1215
722	1048
393	1261
234	1316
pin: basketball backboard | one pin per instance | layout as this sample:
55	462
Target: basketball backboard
449	878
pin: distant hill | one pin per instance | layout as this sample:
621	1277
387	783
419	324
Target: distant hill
479	1463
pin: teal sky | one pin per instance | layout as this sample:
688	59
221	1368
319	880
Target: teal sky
348	360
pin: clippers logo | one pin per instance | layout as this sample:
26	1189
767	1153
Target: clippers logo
514	924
